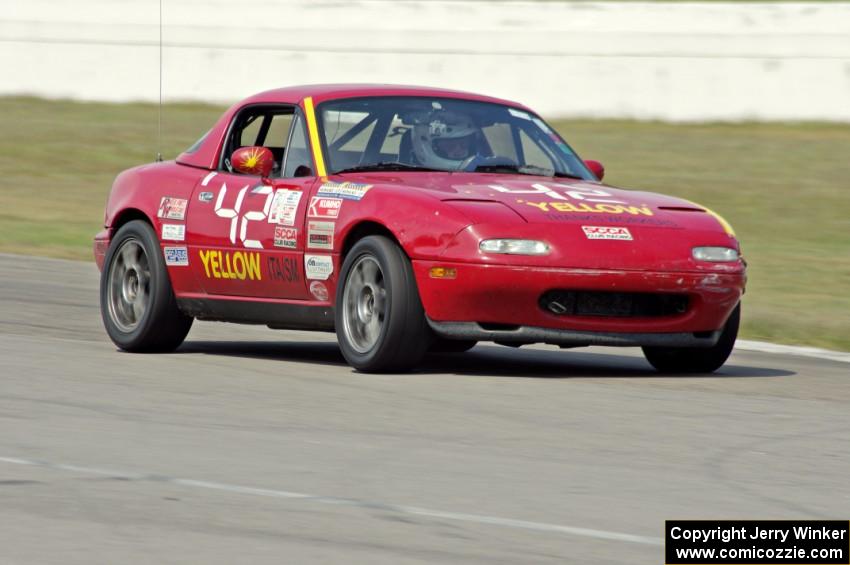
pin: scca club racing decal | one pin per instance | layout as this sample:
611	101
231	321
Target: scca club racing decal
239	265
607	232
318	267
176	256
584	200
172	208
285	237
346	190
326	208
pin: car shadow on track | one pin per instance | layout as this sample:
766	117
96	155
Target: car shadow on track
483	360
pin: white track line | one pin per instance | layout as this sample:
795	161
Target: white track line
413	510
775	348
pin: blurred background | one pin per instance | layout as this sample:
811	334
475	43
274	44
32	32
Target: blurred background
743	107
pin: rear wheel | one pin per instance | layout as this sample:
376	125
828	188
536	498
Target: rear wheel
380	323
697	359
137	303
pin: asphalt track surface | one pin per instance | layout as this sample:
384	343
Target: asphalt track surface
256	446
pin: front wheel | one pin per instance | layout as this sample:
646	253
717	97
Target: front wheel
380	323
137	303
697	359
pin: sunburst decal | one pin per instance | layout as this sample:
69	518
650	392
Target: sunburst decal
253	159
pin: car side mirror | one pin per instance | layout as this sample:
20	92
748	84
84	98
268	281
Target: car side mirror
253	161
596	168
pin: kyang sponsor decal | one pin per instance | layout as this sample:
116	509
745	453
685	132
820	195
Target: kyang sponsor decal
285	237
284	207
318	267
238	265
173	232
572	199
284	270
172	208
320	235
607	232
205	196
321	207
319	291
346	190
176	256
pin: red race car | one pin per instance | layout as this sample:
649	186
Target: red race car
408	219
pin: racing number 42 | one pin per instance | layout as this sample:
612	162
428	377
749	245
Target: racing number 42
248	216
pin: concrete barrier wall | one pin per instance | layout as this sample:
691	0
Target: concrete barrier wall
669	61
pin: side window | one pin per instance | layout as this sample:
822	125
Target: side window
250	132
260	126
297	160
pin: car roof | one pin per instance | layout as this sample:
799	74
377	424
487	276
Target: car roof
324	92
206	154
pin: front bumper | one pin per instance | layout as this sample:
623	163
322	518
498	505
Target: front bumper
495	302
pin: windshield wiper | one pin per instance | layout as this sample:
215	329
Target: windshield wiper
523	170
567	176
386	166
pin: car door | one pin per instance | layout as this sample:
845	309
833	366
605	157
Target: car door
246	232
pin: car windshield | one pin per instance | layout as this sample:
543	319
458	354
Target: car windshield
407	133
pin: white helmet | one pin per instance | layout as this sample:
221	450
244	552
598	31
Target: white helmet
444	140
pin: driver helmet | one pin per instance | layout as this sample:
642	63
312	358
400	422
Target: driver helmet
445	140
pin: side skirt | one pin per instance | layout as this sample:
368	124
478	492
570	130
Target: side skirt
274	314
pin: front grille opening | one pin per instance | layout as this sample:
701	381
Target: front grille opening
613	304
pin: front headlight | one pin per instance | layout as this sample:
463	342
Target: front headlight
514	246
715	254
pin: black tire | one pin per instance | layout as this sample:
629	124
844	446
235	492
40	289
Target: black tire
443	345
157	325
697	359
390	332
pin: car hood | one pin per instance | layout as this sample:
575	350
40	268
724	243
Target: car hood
587	224
546	200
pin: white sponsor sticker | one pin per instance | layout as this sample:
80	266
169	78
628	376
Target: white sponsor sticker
319	291
607	232
172	208
320	235
284	207
285	237
321	207
173	232
176	256
318	267
346	190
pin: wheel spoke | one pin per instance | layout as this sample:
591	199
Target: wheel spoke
364	299
370	271
128	285
138	309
